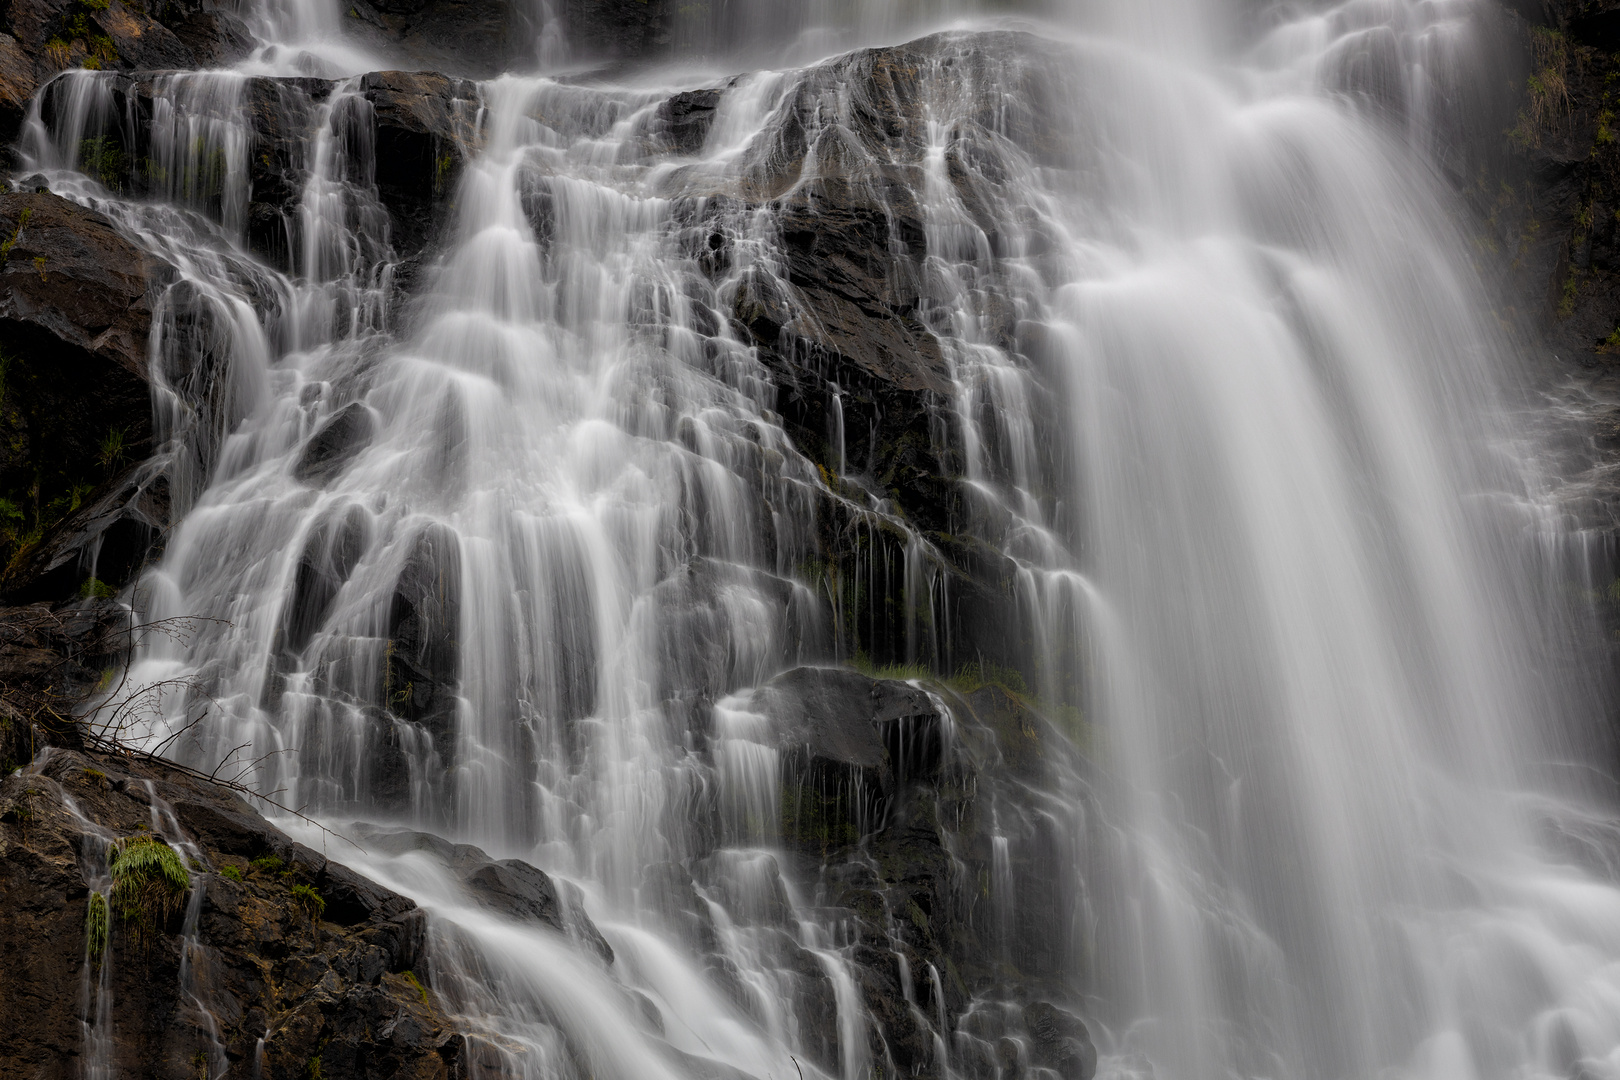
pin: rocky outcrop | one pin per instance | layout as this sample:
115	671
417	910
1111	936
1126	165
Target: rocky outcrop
425	133
75	403
895	798
508	887
423	667
279	963
838	312
41	37
409	133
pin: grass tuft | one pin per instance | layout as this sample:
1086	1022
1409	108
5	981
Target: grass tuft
149	881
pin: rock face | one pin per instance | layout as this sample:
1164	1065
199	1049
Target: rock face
468	37
327	987
618	29
895	799
409	132
41	37
509	887
75	407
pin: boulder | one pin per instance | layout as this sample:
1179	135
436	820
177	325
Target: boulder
1060	1041
426	130
848	744
69	274
338	442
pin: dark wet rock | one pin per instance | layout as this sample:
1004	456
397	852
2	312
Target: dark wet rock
510	887
848	744
70	275
101	547
38	38
473	38
330	556
282	114
425	133
1059	1040
17	85
420	677
687	118
420	127
338	442
75	409
50	658
667	890
900	816
335	993
618	29
703	653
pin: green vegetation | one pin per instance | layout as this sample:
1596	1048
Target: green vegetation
312	1071
231	873
863	664
415	983
96	589
1546	90
95	927
78	25
94	776
309	899
110	452
149	881
22	223
814	819
978	674
103	159
1572	290
268	864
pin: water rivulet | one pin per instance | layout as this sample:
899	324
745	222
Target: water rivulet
1005	554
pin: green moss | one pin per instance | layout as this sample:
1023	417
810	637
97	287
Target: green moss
96	589
231	873
863	664
415	983
979	674
813	819
312	1071
149	881
6	245
268	864
95	927
1572	290
94	776
309	899
103	159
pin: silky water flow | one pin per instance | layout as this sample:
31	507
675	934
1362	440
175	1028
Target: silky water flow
1250	444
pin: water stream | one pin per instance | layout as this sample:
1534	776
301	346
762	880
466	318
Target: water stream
1227	393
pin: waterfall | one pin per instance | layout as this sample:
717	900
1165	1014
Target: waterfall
504	542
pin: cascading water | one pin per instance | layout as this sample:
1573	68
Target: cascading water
505	562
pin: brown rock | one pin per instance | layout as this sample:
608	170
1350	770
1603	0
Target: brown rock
67	272
336	989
